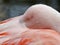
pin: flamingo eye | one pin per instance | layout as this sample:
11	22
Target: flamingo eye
28	18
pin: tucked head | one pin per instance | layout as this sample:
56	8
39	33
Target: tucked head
40	16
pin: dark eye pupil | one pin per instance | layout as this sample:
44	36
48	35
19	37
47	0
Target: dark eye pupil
28	18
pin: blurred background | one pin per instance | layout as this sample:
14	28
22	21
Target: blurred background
13	8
